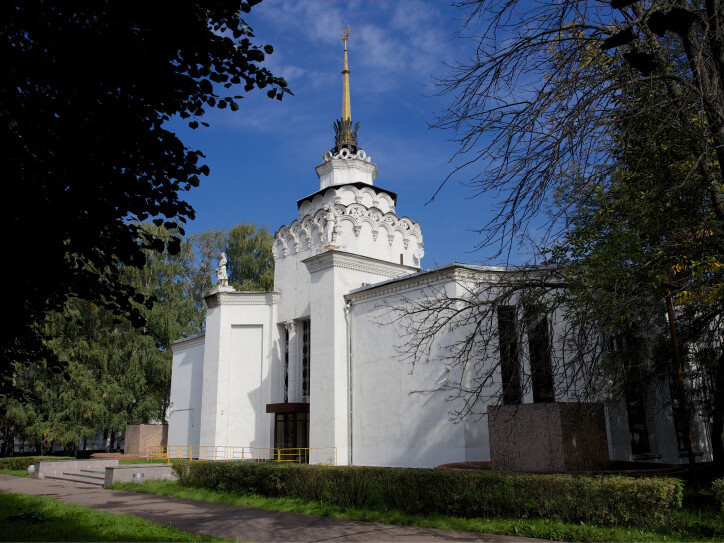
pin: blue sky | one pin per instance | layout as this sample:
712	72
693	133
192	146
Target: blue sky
262	157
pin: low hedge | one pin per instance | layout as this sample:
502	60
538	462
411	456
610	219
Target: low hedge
603	500
718	488
22	462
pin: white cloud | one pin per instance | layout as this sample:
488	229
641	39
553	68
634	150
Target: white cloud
315	20
390	41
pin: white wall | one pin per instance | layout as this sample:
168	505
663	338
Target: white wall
184	421
402	418
241	340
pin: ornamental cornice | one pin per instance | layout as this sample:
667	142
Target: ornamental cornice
242	298
289	237
346	154
402	285
455	273
358	188
341	259
185	343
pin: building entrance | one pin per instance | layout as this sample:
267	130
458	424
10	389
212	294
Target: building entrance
291	430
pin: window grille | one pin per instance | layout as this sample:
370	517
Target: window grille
305	358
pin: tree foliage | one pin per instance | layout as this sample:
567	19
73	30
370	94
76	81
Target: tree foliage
115	373
85	99
248	249
251	262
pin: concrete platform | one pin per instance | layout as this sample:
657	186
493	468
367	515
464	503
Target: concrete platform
231	522
102	472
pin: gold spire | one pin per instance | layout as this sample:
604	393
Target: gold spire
346	107
345	135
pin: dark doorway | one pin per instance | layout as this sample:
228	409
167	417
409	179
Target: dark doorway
291	431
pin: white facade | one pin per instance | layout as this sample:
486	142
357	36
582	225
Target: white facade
314	352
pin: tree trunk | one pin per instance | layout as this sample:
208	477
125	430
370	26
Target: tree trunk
113	441
107	439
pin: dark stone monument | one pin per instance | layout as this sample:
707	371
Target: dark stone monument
548	437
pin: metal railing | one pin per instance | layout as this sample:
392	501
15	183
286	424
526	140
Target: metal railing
303	455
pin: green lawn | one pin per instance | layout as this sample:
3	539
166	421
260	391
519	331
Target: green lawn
703	524
36	518
15	472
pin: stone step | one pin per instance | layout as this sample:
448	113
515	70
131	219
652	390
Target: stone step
96	472
86	473
78	478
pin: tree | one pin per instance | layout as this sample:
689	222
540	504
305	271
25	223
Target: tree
533	110
606	119
642	258
85	100
116	374
251	262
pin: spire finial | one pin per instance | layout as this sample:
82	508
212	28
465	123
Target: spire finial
345	136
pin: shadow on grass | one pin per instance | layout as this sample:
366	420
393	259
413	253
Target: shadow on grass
35	518
699	524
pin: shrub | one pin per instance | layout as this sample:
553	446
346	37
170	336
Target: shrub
718	488
18	462
603	500
22	462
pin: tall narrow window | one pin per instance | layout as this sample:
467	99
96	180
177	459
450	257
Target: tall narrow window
306	343
624	349
509	361
539	349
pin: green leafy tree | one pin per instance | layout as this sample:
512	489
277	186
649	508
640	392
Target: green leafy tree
251	263
85	99
248	250
116	374
207	247
641	259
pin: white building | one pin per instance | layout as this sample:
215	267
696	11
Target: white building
310	365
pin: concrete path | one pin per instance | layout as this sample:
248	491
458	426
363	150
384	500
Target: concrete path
231	522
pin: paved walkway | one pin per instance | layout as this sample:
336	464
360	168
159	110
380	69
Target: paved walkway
231	522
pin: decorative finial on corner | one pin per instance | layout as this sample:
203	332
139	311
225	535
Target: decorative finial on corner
345	136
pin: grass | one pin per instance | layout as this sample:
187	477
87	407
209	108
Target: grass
702	524
36	518
15	472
